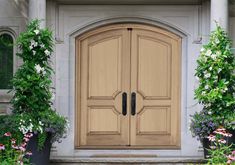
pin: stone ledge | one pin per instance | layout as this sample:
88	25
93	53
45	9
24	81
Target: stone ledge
130	160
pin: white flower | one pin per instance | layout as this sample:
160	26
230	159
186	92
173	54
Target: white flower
33	43
40	123
202	49
213	56
207	75
42	45
34	52
203	93
67	125
217	41
209	112
204	58
30	47
40	129
53	96
47	52
38	68
208	52
218	53
36	32
43	71
207	87
210	68
219	70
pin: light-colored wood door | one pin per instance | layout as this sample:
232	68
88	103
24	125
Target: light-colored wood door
155	78
128	58
104	56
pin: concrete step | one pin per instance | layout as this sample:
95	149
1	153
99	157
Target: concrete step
127	161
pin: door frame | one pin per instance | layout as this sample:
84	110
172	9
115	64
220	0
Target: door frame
102	28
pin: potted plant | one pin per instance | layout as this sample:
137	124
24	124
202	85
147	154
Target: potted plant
33	93
216	89
201	126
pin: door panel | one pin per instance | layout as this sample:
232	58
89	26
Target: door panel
147	118
105	68
104	57
155	79
154	74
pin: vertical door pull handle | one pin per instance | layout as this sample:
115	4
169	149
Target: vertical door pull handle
124	103
133	103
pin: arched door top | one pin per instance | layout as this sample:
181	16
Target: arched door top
129	26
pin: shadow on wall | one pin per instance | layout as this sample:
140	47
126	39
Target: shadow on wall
21	6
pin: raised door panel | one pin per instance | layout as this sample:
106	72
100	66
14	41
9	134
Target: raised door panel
147	121
105	68
104	56
97	124
155	73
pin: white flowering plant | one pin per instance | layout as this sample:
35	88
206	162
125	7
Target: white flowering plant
32	103
215	75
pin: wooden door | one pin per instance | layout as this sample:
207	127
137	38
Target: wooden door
103	80
135	59
155	77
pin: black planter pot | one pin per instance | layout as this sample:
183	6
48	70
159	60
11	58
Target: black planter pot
39	157
231	140
206	146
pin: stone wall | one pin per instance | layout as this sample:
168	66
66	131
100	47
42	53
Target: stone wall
13	18
68	21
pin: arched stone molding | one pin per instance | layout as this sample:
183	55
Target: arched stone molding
69	42
118	20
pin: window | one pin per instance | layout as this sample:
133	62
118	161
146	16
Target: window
6	60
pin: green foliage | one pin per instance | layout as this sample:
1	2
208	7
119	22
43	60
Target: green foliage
216	65
216	89
9	123
32	81
41	139
32	86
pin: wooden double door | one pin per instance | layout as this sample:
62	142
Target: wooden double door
128	88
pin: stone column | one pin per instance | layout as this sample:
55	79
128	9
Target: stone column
219	13
37	9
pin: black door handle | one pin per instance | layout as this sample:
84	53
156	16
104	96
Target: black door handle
124	103
133	103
